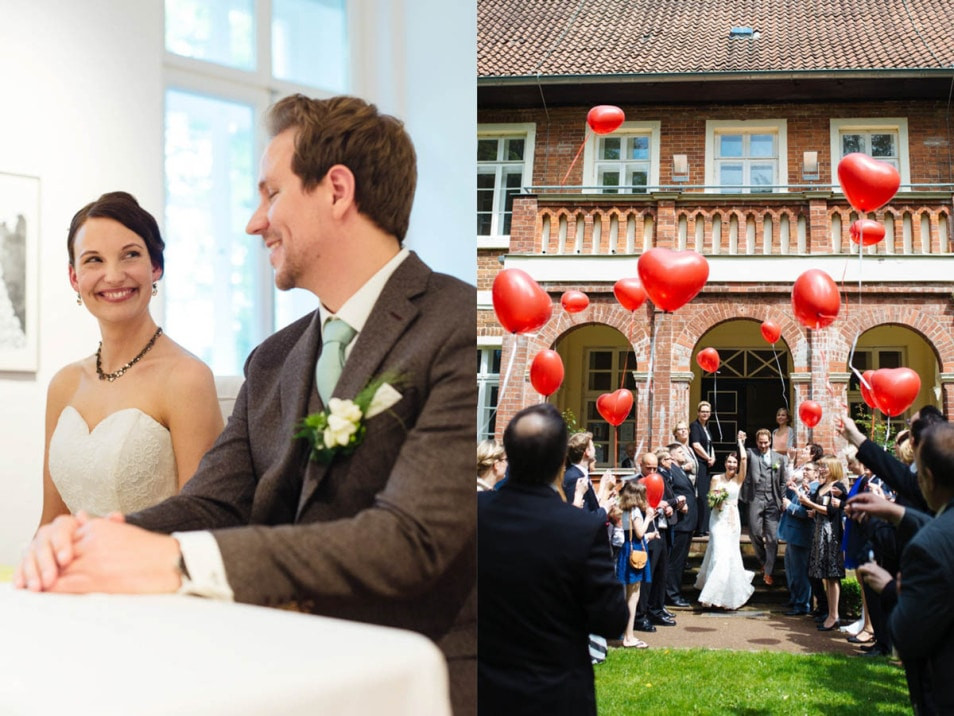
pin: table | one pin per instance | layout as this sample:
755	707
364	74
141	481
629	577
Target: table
118	654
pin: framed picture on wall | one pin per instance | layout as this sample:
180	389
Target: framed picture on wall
19	249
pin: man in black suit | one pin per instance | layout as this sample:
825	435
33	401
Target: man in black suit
546	581
652	608
921	618
685	493
577	486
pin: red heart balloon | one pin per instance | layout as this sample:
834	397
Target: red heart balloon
672	278
708	360
546	372
614	407
867	231
868	183
895	389
630	293
809	412
771	331
866	393
574	301
519	302
654	488
815	299
605	118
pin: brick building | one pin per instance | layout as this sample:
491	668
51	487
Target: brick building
737	115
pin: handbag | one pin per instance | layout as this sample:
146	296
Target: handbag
637	557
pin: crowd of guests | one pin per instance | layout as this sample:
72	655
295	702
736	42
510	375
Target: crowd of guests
804	497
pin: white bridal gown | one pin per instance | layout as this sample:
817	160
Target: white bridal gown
722	578
124	464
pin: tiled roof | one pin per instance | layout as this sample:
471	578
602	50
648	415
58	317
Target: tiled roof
599	37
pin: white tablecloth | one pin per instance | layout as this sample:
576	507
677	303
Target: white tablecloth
169	655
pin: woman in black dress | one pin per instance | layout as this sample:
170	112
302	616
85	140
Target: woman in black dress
701	442
826	560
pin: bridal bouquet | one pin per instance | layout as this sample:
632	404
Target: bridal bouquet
341	428
716	497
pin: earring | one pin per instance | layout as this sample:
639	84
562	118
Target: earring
155	289
79	299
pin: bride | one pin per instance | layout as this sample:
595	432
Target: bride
722	578
127	426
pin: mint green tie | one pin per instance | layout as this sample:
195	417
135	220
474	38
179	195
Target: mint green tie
334	339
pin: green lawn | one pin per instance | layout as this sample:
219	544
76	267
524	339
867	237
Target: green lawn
707	681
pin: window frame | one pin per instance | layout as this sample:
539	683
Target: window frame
869	125
527	132
717	127
258	89
591	161
486	381
626	429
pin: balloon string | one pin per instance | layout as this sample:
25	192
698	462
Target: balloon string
715	393
861	255
503	386
573	163
649	372
781	378
616	446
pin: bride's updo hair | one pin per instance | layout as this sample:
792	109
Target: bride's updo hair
122	207
632	494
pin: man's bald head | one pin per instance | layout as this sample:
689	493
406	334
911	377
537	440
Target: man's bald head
535	441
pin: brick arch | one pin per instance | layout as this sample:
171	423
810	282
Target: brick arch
599	313
712	315
937	336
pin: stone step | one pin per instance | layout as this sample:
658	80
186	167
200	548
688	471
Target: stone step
764	595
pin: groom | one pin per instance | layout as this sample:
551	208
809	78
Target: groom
383	534
763	490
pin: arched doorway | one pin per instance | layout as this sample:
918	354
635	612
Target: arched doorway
894	346
597	359
751	385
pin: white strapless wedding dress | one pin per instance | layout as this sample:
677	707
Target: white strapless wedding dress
723	579
124	464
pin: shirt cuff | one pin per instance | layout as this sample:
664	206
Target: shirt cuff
203	562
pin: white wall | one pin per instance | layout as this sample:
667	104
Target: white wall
81	84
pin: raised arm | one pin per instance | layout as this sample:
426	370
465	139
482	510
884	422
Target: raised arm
743	459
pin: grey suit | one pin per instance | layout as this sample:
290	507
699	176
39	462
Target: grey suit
385	535
762	489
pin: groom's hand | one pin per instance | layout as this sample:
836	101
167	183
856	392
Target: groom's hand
50	551
112	557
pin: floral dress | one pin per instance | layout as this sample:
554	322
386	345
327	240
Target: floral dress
826	560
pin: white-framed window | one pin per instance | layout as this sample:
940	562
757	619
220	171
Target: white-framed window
746	156
504	167
225	62
624	162
607	370
884	138
488	389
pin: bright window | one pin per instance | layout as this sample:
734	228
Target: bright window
746	157
504	165
488	388
626	162
884	138
608	370
226	61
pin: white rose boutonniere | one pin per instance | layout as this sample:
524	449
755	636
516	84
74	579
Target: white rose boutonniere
775	465
341	428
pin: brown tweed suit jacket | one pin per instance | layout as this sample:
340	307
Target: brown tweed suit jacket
385	535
